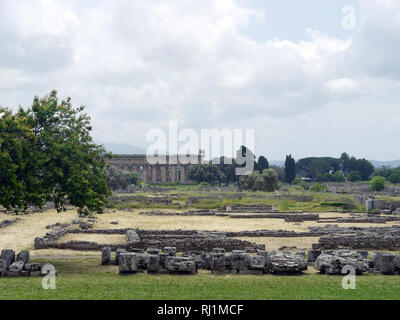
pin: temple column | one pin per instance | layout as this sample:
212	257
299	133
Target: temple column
163	174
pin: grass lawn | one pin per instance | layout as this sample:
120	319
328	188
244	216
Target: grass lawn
86	279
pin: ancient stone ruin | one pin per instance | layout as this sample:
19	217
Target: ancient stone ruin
19	265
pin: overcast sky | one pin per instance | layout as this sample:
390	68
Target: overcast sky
287	69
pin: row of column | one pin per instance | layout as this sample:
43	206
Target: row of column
162	173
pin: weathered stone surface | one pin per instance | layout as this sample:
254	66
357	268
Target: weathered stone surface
16	266
256	262
142	261
334	262
266	254
170	251
286	264
106	256
153	265
387	263
3	265
313	255
127	263
217	261
153	251
131	236
180	265
239	260
32	266
23	256
118	252
8	255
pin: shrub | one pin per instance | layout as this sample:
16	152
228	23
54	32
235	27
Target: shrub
378	183
318	188
297	181
267	181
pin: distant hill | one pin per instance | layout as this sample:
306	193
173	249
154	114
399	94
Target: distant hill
278	163
119	148
379	164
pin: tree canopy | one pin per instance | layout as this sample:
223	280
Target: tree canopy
47	154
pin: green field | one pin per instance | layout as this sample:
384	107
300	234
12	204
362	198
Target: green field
86	279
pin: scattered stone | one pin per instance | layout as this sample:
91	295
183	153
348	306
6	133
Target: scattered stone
170	251
9	256
127	263
286	264
32	266
131	236
3	265
153	265
23	256
180	265
106	256
16	266
334	262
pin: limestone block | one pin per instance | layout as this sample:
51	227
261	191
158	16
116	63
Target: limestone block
8	255
127	263
106	256
23	256
153	264
16	266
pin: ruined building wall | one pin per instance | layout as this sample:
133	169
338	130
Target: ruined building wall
153	173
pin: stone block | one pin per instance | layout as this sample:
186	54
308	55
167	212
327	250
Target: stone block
32	266
334	262
118	252
170	251
131	236
385	262
153	265
142	261
3	265
180	265
256	262
16	266
153	251
8	255
217	261
106	256
127	263
23	256
286	264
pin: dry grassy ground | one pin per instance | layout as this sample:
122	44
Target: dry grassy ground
21	235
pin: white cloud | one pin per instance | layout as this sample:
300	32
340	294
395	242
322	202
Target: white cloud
136	65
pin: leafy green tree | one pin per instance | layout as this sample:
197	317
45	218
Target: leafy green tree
61	163
280	171
394	177
267	181
119	179
262	164
227	167
290	169
377	183
20	167
208	173
354	176
270	177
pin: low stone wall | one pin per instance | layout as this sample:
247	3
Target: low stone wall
181	239
7	222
